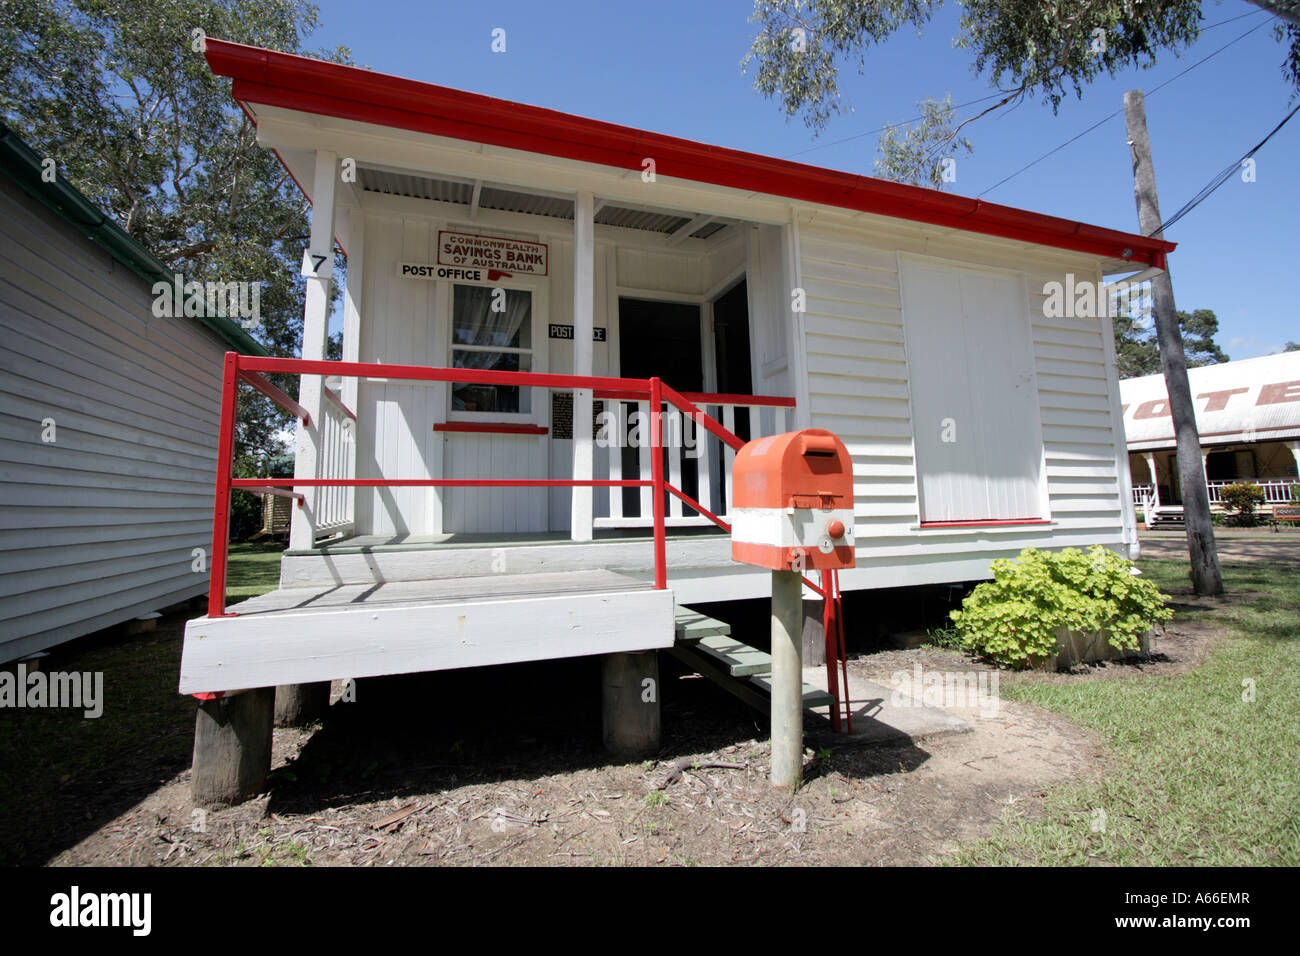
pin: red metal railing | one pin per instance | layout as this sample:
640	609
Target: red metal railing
248	369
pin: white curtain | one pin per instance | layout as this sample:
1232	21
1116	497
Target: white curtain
476	324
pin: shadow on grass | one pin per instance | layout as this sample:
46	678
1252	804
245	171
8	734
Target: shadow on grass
62	775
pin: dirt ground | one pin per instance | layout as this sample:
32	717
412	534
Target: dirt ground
503	766
1234	544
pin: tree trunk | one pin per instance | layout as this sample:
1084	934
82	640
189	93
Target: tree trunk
1191	467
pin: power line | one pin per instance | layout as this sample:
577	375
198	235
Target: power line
1222	177
881	129
993	96
1117	112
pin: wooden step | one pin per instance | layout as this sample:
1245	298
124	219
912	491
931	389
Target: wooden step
692	625
741	660
813	697
755	690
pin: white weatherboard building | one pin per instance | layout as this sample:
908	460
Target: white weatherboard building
108	419
483	234
1248	418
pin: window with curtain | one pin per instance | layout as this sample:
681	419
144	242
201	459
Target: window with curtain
491	328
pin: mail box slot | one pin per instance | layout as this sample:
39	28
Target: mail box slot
792	502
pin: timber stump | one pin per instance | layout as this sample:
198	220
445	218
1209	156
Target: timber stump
232	747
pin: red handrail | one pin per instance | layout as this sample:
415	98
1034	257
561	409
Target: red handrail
246	368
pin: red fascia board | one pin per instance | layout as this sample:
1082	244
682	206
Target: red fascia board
330	89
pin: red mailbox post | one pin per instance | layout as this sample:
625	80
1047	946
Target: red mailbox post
792	511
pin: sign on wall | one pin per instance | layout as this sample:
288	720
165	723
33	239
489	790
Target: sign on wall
422	270
566	332
513	256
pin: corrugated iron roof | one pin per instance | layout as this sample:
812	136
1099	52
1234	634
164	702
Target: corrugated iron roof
1251	400
535	204
416	187
509	200
643	219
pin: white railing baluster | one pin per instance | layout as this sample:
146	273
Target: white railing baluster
728	454
672	433
703	461
643	458
616	457
336	459
685	438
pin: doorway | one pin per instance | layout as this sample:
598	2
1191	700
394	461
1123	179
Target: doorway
731	349
663	339
660	339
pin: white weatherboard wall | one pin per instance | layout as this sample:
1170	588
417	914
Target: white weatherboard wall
405	321
97	526
859	387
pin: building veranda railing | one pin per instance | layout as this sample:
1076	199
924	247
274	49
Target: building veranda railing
336	427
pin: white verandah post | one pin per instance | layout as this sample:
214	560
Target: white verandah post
315	332
356	235
584	304
1154	500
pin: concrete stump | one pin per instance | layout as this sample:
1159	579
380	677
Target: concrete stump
232	747
297	705
630	703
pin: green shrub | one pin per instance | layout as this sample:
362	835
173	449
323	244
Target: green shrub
1013	619
1241	500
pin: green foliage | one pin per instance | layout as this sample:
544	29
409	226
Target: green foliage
1025	47
121	97
909	154
1136	348
1241	499
1013	619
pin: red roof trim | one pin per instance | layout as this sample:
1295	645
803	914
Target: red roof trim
329	89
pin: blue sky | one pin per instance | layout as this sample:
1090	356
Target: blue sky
674	67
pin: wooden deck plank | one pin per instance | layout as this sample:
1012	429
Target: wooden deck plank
813	697
296	645
692	625
495	587
741	660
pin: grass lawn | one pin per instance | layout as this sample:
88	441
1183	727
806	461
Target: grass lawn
1200	773
253	569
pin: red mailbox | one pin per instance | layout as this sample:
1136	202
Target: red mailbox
792	502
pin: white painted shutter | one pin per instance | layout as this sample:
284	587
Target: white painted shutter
973	393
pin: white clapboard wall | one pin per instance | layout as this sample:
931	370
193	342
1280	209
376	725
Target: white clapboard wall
860	386
98	526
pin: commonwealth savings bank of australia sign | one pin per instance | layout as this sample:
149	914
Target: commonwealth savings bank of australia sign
465	257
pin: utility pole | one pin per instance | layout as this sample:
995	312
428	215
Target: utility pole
1191	467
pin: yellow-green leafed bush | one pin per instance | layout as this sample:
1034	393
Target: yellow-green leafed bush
1013	619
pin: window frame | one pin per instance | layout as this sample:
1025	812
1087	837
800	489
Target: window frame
538	288
1025	323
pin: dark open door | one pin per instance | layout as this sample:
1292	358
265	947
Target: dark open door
660	339
731	348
